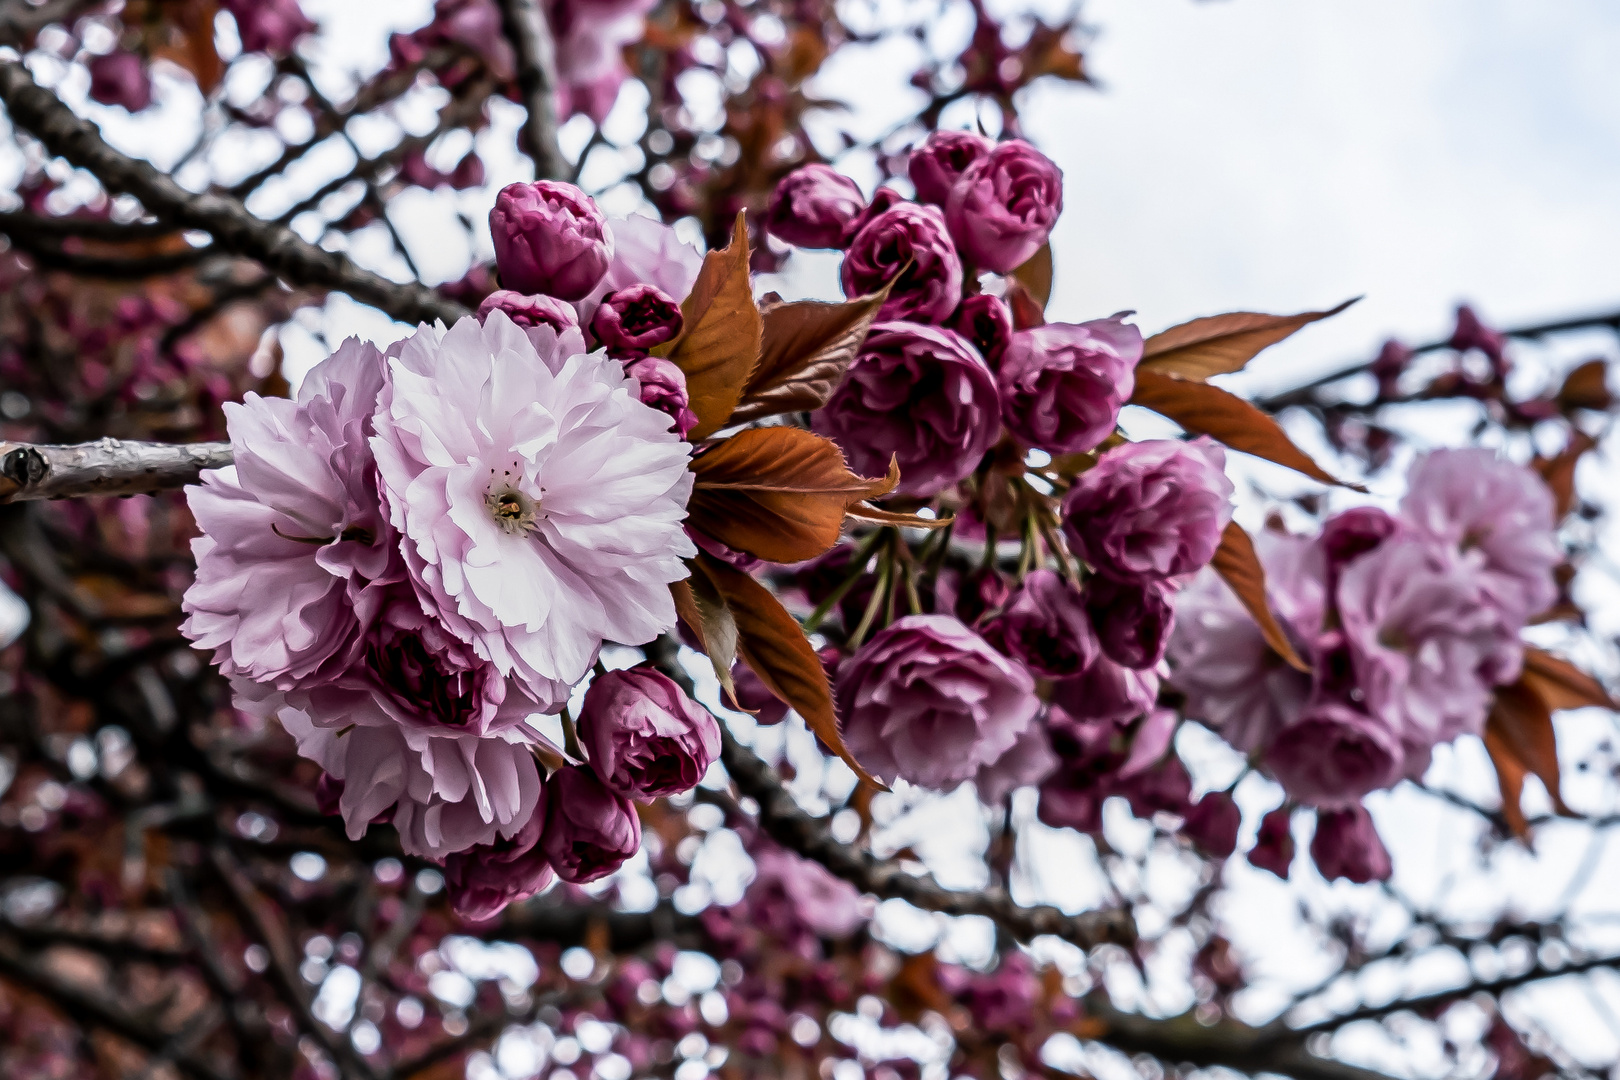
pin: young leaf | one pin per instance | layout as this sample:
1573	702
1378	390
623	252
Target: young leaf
880	516
807	347
1035	275
1519	736
778	492
1558	471
1221	344
1203	409
706	615
720	342
1560	684
1240	568
1587	387
772	643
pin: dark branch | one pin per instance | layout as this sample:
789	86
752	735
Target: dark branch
530	35
105	467
233	227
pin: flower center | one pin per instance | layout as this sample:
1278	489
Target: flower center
514	511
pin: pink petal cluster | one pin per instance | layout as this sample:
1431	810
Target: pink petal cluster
929	700
421	554
1410	623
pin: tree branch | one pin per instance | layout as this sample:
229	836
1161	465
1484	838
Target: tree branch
530	34
233	227
104	467
790	826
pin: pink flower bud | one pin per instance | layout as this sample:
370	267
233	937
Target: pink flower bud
985	321
1334	754
1062	385
1212	824
1274	848
646	738
1133	622
1149	511
269	26
936	165
589	831
1046	627
484	879
910	246
549	238
633	320
813	206
1003	206
663	386
1346	845
120	78
530	311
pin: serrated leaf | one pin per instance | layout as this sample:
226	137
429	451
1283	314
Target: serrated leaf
1560	684
1520	739
1558	471
707	617
779	493
1035	275
807	347
773	644
1203	409
720	340
1587	387
1222	344
1238	565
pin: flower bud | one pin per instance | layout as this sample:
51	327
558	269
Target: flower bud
939	162
646	738
530	311
985	321
1062	385
909	246
1334	754
633	320
1133	622
1150	511
484	879
1274	848
813	206
1046	626
663	386
1003	206
120	78
549	238
1212	824
589	831
1346	845
269	26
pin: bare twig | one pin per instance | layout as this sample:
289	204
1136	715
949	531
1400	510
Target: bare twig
233	227
105	467
530	35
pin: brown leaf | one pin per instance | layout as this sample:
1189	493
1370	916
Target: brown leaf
1520	739
1221	344
1560	684
1203	409
1035	275
1558	472
707	617
806	349
778	492
1240	568
868	512
773	644
720	342
183	32
1587	387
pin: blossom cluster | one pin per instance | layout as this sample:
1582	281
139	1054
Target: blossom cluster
1408	620
421	555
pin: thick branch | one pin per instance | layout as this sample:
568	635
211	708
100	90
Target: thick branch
791	827
233	227
105	467
530	35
